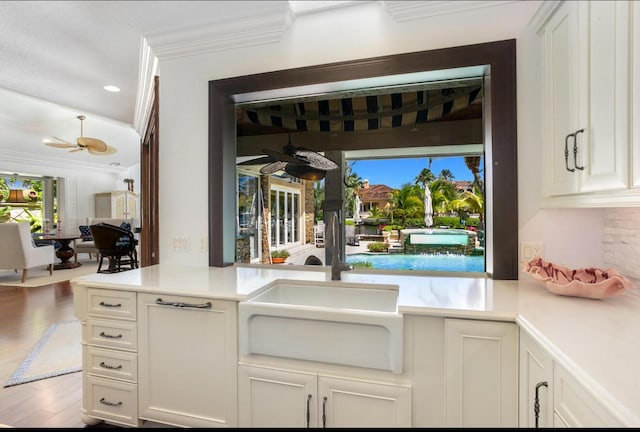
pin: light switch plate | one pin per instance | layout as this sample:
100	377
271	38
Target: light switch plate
529	250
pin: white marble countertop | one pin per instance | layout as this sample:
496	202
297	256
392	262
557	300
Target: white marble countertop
595	339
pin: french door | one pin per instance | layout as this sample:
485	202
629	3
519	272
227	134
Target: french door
285	218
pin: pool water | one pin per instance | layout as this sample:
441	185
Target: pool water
448	263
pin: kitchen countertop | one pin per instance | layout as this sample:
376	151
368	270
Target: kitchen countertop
595	339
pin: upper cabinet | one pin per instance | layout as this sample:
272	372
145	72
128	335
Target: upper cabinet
590	66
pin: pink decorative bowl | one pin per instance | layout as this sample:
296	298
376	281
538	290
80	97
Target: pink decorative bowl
587	282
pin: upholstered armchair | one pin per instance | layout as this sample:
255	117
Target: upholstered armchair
86	244
18	251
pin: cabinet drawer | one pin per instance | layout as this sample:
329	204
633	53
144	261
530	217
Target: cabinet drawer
111	364
112	334
111	304
575	405
115	401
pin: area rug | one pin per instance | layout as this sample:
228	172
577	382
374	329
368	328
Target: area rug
58	352
39	276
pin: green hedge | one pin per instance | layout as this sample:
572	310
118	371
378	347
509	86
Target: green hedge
376	247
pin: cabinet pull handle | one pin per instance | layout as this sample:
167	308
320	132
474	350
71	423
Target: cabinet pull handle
103	401
536	403
108	336
206	305
324	412
308	410
566	152
106	366
575	149
103	304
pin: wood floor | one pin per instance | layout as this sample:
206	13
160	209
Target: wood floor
25	313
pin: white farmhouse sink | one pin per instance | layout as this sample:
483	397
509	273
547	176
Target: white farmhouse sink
334	322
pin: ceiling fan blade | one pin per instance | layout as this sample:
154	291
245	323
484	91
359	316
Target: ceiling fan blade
314	159
76	150
273	167
64	141
92	143
59	145
109	151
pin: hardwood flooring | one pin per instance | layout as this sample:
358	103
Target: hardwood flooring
25	313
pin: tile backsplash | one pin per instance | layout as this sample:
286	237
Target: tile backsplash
621	240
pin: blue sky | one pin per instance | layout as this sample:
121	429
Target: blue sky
396	172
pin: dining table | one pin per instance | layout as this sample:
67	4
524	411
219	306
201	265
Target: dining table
65	252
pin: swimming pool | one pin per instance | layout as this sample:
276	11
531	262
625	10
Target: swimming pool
443	262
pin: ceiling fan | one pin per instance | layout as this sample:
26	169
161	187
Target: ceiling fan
295	161
92	145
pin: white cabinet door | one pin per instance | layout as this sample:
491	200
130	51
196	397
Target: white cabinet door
354	403
187	360
635	94
536	380
560	63
481	373
276	398
603	96
586	65
575	405
271	397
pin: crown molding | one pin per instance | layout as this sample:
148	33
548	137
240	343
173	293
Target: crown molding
412	10
542	15
246	31
86	167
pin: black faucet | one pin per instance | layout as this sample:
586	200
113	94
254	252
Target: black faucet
337	266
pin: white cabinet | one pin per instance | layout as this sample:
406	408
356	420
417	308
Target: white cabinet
536	378
481	373
553	395
587	102
109	355
187	360
116	204
163	358
270	397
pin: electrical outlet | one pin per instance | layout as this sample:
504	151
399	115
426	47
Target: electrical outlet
529	250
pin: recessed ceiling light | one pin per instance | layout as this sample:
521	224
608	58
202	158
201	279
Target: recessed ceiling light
115	164
112	88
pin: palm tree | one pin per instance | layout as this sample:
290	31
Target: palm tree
473	163
443	192
471	202
446	175
425	177
406	202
